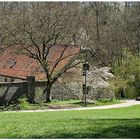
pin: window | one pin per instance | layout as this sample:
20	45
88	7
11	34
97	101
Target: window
5	79
11	79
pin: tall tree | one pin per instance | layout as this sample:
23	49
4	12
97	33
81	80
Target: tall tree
38	28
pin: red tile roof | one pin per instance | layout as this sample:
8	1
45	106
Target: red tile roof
20	66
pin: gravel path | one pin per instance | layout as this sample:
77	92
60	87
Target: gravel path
120	105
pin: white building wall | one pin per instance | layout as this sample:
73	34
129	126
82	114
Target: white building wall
8	79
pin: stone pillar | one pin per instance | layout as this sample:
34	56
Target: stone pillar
31	88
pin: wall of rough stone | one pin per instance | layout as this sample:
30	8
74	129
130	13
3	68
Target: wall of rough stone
68	86
67	91
10	92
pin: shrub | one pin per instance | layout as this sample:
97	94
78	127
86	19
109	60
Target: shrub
128	76
131	92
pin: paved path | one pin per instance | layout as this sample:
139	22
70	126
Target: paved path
127	103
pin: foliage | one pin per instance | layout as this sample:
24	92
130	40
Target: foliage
110	123
131	92
117	83
24	105
107	101
129	75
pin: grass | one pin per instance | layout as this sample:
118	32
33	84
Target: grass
80	103
24	105
110	123
55	104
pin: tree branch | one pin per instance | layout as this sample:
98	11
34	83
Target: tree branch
30	34
59	59
32	55
65	68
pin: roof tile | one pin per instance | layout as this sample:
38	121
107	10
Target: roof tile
20	66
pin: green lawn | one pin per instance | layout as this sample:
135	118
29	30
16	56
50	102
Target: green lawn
110	123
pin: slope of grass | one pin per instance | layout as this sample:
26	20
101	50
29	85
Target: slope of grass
111	123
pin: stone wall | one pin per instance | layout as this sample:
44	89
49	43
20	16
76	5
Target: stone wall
98	80
67	91
10	92
68	86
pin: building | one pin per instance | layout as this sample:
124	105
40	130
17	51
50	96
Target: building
16	66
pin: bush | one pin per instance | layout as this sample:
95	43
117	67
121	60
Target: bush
131	92
118	84
23	103
128	76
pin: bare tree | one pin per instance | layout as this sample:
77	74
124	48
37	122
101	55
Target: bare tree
39	27
108	29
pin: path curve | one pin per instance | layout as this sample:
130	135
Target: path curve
127	103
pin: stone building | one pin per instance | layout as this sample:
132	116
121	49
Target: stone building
15	67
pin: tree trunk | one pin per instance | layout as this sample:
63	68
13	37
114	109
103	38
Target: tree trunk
98	49
47	92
